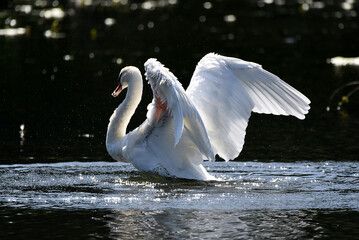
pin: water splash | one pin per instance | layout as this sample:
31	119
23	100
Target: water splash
253	185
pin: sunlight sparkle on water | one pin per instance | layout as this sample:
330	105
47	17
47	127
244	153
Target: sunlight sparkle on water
54	35
23	8
230	18
110	21
120	186
52	13
12	31
207	5
69	57
344	61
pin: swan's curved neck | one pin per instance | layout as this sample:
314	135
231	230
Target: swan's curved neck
119	120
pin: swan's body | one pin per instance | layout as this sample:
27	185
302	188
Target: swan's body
183	128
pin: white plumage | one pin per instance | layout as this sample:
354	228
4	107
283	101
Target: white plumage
183	128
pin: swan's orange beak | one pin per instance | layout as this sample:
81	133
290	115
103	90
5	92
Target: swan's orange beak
117	90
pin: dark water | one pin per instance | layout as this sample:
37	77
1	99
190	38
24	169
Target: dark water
59	61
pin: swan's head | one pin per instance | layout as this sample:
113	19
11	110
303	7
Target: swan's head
126	77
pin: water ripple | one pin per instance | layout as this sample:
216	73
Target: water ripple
246	186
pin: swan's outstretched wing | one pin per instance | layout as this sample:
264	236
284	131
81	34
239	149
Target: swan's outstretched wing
226	90
169	97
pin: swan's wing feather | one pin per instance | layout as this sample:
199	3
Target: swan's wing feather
270	94
157	152
170	98
226	90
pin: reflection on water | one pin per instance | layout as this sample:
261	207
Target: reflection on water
172	223
266	224
342	61
12	31
257	200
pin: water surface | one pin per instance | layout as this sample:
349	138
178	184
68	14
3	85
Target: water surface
253	200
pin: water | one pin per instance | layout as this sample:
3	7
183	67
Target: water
245	186
59	61
253	200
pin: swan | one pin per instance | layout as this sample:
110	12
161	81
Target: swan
185	127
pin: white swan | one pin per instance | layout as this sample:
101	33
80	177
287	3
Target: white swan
183	128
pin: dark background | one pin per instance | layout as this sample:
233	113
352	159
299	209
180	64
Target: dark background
60	87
